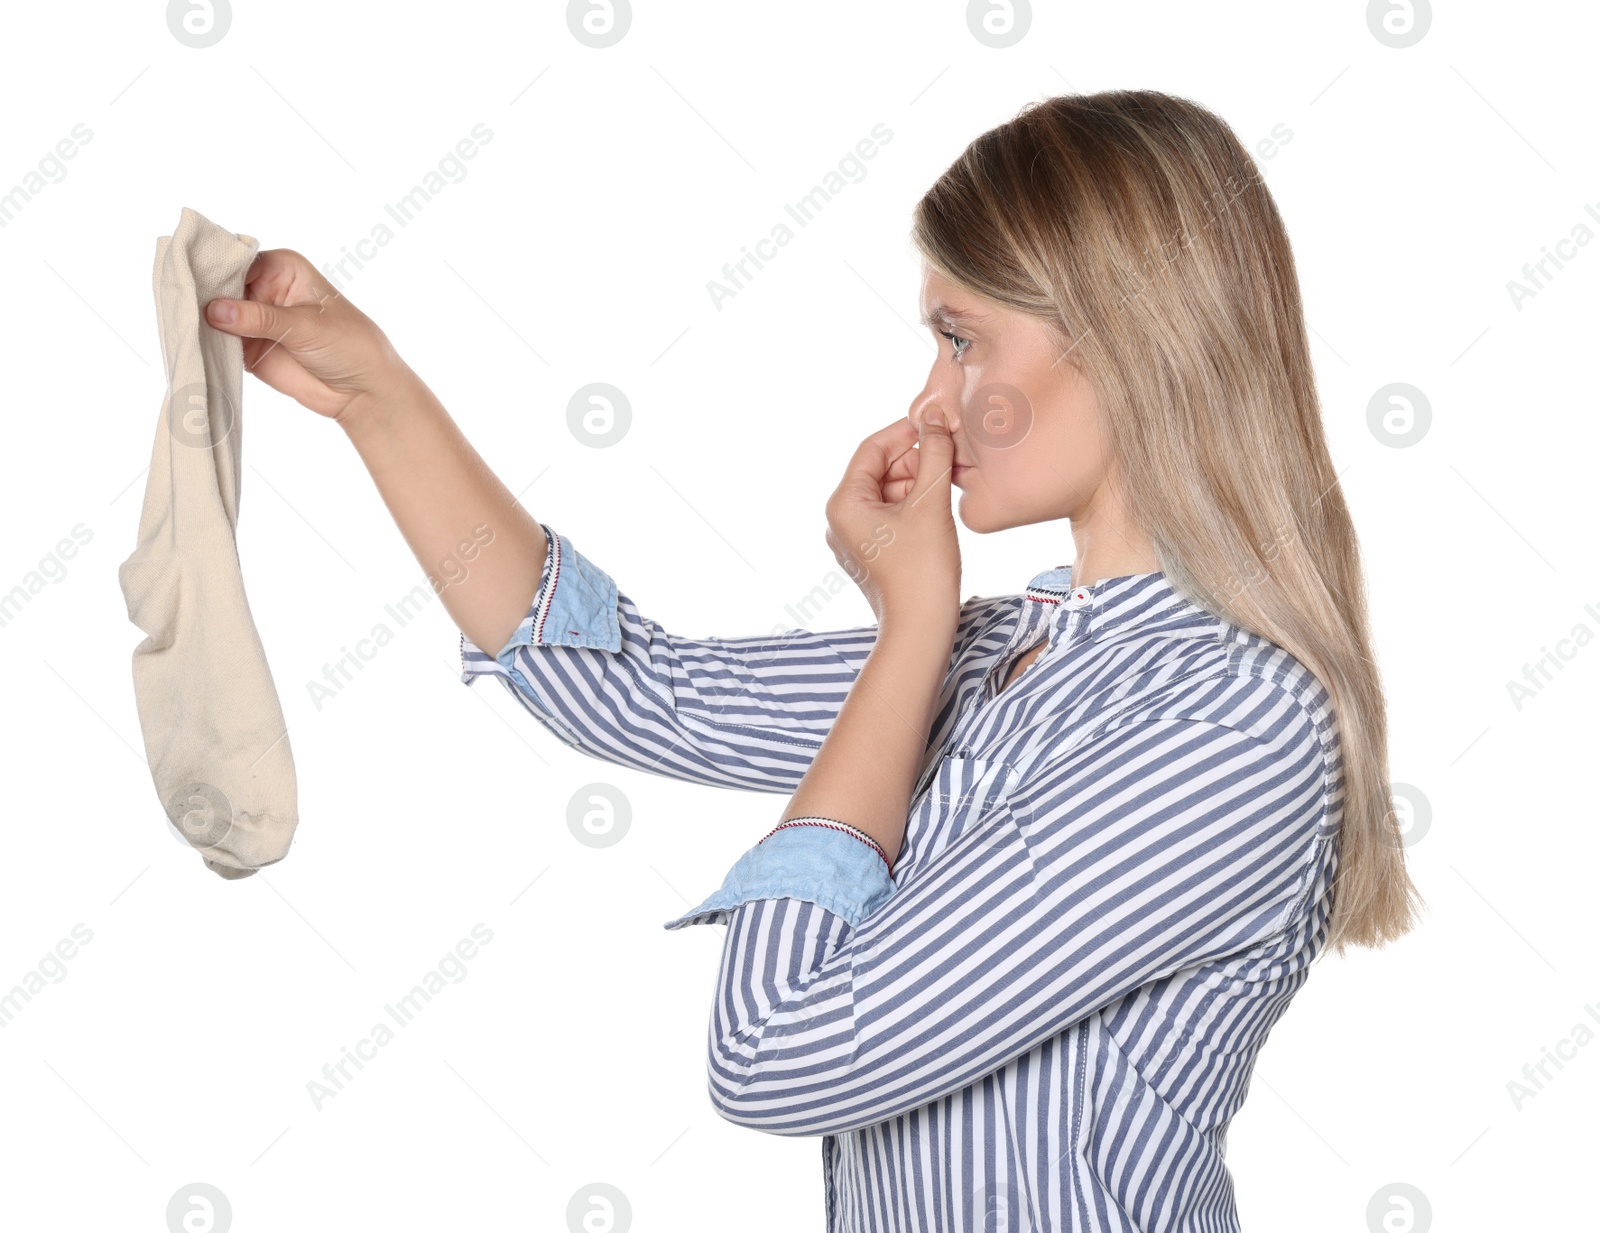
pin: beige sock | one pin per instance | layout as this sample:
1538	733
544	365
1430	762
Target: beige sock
213	730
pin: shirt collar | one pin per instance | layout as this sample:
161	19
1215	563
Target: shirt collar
1111	603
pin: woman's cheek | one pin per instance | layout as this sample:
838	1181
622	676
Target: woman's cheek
1001	417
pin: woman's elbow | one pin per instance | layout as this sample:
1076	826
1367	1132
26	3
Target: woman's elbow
759	1102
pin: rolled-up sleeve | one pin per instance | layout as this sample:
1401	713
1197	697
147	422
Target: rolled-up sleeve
737	712
581	611
823	866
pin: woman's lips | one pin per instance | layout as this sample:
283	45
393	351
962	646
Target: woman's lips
957	471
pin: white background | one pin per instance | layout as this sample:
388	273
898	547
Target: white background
577	248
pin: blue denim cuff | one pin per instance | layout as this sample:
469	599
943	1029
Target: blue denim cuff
576	605
827	867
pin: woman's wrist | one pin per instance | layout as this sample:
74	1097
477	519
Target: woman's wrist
932	629
390	395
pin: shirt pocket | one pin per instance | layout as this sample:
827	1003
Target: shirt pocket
959	795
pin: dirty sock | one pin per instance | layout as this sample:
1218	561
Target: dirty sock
214	734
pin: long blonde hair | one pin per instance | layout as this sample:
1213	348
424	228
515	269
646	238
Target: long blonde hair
1136	224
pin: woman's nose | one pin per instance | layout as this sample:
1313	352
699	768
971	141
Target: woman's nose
933	398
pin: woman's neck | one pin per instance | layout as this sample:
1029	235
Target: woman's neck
1109	548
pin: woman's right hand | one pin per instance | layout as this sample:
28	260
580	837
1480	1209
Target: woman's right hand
305	339
890	524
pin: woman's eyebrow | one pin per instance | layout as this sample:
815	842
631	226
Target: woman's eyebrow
941	314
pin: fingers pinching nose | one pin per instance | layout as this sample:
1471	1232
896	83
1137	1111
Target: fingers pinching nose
933	416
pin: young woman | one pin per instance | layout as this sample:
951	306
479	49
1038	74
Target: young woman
1054	862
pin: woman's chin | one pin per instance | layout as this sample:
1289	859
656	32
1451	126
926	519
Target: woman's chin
972	515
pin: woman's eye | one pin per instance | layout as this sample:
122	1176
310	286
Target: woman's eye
958	344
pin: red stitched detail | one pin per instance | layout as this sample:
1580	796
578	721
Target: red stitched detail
1041	599
555	573
832	826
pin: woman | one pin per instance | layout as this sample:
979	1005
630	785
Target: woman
1055	862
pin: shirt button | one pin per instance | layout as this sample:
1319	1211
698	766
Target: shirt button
1079	597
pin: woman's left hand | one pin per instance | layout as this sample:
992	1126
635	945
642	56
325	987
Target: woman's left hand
891	528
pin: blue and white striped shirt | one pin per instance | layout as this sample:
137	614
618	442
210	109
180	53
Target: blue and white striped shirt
1116	874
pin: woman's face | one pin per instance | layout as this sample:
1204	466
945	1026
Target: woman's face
1024	421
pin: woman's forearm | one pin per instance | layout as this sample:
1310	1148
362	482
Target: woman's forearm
864	772
482	552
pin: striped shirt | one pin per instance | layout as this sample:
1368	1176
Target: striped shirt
1116	874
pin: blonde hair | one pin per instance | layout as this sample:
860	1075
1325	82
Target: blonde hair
1136	224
